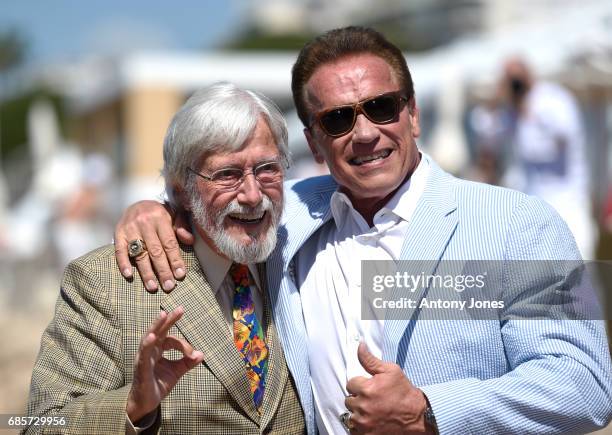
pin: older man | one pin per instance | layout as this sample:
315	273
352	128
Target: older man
385	200
102	364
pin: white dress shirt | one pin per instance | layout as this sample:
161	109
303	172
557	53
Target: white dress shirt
328	271
216	268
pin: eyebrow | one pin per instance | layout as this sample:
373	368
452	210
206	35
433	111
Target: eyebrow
277	158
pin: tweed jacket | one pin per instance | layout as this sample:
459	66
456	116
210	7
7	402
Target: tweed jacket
480	376
86	360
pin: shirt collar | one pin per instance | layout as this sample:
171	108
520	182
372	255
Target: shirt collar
216	267
402	204
405	200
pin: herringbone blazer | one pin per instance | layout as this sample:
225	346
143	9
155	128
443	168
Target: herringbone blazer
85	365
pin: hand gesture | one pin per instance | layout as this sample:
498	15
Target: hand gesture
386	403
153	222
154	375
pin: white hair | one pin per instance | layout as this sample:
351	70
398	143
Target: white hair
220	117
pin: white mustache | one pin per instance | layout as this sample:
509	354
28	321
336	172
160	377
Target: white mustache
235	208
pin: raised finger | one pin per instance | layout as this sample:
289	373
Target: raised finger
158	323
172	318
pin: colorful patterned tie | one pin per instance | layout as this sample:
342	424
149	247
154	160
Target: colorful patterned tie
248	334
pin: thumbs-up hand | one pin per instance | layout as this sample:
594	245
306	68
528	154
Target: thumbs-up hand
385	403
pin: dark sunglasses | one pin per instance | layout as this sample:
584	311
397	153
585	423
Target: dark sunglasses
381	109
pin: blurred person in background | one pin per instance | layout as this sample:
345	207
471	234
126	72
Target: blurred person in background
387	200
104	364
489	124
548	157
83	217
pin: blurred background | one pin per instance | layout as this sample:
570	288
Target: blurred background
87	91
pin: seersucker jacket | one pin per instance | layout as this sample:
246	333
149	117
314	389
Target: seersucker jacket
496	376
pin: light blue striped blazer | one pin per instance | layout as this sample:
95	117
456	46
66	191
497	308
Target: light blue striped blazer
481	376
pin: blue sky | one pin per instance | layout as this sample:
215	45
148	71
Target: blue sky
61	29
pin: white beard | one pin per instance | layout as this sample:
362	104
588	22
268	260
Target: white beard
258	249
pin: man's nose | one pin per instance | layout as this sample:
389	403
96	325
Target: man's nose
249	192
364	130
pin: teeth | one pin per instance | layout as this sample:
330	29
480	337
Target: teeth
376	156
247	217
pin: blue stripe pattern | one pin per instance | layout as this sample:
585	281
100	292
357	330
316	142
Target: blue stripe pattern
480	376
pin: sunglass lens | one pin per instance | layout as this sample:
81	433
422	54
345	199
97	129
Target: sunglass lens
338	121
381	109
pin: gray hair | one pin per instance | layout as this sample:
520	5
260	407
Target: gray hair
220	117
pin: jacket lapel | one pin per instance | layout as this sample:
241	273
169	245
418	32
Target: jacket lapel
433	224
303	214
204	326
277	376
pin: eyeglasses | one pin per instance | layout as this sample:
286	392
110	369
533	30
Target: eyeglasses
230	178
381	109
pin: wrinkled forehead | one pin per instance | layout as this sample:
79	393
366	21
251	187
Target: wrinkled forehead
260	145
348	80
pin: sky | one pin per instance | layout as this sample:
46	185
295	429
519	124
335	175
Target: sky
60	30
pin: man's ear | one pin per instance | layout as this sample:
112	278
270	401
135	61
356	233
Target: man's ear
414	119
313	146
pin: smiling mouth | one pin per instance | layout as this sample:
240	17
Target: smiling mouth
247	218
380	155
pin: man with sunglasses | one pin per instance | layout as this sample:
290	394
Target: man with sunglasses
385	200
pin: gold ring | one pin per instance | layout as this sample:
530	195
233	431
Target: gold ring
136	247
345	418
